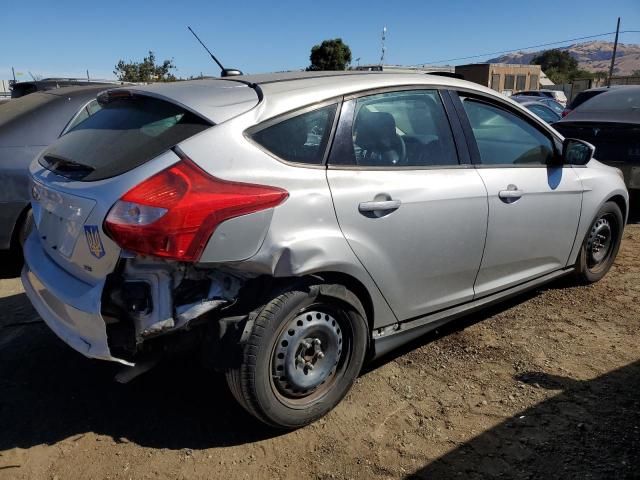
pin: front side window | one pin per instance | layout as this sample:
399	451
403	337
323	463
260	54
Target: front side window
504	138
299	139
402	129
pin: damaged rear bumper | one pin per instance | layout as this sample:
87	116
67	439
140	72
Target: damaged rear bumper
70	307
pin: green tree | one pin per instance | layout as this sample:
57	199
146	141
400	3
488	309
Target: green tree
558	65
145	71
331	54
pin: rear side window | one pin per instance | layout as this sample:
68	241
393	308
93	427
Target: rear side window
124	134
299	139
92	107
398	129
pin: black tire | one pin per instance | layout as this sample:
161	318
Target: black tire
25	228
601	244
268	377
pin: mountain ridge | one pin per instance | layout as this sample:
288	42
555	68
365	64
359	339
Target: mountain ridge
592	56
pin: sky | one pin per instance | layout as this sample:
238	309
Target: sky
66	38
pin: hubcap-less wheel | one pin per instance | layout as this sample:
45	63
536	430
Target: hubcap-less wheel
599	243
306	356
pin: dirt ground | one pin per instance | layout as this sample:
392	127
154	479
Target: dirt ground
546	386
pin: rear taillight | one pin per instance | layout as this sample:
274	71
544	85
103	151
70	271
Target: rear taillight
565	112
174	213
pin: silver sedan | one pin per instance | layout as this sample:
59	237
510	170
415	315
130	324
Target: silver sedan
293	226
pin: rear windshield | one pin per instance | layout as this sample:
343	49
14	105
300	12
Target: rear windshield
123	135
583	97
615	100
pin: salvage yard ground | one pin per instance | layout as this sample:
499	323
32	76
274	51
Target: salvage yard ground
546	386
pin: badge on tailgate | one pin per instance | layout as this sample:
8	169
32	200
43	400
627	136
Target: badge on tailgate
94	241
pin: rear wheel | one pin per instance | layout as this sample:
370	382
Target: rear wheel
305	350
601	244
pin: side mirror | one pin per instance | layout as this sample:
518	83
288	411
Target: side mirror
576	152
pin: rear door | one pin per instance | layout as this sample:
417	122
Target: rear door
534	207
410	205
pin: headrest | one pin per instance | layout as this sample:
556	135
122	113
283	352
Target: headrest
375	130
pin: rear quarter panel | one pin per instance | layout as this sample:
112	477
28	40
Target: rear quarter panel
303	236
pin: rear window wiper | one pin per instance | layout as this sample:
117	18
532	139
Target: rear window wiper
66	168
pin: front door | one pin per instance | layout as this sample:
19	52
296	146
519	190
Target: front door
534	207
415	217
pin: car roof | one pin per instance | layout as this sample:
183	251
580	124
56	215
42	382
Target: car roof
521	98
216	98
286	93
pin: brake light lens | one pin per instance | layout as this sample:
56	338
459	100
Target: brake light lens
565	112
174	213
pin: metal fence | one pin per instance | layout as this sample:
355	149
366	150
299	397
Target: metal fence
5	91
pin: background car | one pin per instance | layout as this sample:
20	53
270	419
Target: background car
538	105
20	89
611	122
549	102
585	95
294	225
557	95
27	126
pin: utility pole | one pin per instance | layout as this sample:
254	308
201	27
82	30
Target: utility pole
384	37
88	79
14	74
613	56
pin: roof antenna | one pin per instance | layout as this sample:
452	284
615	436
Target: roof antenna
225	72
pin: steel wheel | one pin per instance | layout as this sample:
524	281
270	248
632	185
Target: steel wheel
305	350
601	244
306	356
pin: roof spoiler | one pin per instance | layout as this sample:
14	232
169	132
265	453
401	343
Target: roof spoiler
459	76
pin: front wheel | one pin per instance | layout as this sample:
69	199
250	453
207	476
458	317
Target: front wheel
306	348
601	244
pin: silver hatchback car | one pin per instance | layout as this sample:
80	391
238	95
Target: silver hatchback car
293	226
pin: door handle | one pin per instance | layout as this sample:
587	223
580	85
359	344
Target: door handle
378	206
511	194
